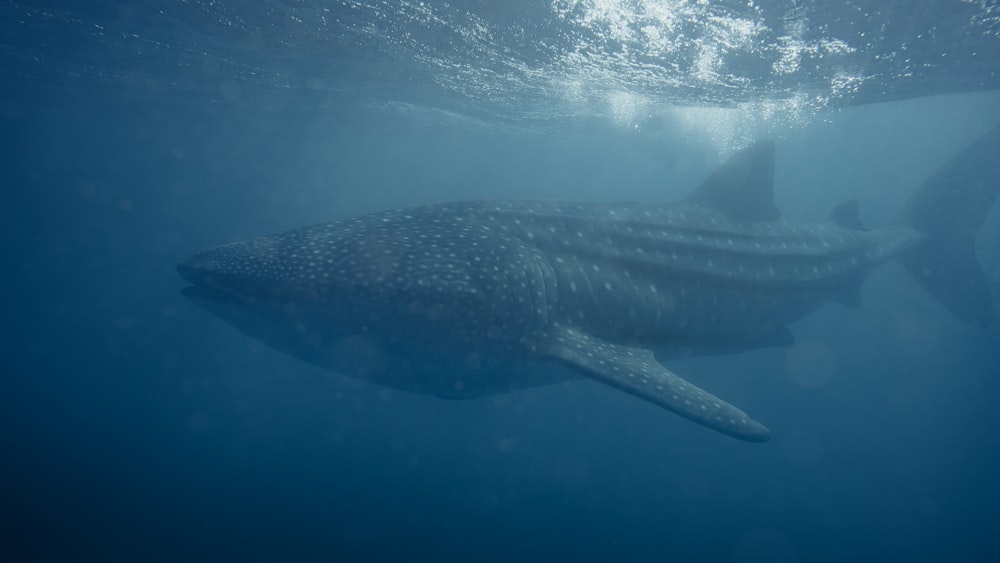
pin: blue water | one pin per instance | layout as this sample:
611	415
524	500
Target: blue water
136	427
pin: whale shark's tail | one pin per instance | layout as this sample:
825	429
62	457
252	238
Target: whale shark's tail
949	208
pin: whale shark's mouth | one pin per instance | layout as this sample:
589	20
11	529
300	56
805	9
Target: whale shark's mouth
202	289
210	294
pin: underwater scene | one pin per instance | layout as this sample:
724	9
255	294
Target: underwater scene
482	280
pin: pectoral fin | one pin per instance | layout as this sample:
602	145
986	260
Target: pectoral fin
636	371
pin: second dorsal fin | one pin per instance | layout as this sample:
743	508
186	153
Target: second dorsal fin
742	188
845	215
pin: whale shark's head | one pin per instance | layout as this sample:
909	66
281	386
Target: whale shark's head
267	293
310	276
242	274
344	271
300	292
315	292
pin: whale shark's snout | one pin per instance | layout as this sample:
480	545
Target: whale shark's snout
192	273
203	289
233	273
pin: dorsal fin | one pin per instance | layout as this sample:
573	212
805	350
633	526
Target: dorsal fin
743	187
845	215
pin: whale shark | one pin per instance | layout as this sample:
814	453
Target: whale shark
470	299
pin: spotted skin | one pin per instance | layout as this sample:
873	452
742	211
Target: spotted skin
476	298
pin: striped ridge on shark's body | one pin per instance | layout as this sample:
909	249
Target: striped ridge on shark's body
476	298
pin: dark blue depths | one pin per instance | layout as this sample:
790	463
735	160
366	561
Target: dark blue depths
133	426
